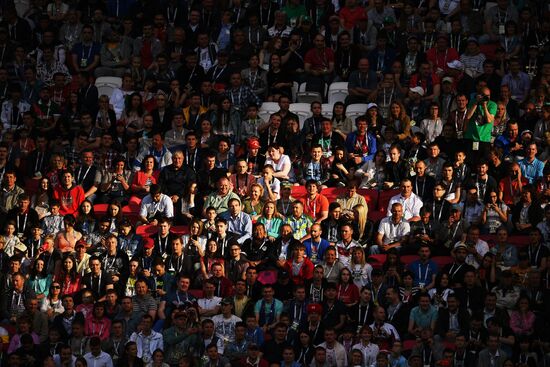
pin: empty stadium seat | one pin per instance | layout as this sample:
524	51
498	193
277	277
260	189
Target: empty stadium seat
407	259
107	84
303	110
327	110
337	92
355	110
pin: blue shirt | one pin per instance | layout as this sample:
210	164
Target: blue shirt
423	273
423	319
85	54
531	170
321	248
241	224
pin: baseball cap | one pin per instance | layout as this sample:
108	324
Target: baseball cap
20	247
306	18
459	246
389	20
371	105
148	243
81	243
227	301
447	79
474	40
417	90
284	274
253	144
456	64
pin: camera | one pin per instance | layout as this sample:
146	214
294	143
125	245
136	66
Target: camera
483	98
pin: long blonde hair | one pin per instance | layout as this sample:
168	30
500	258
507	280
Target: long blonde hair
361	218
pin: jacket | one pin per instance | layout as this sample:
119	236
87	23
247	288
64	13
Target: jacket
305	272
156	342
371	144
340	353
484	358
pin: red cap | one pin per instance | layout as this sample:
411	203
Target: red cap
148	242
253	144
314	308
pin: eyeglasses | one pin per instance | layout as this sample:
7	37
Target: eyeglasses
56	287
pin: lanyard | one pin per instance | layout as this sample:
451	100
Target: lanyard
100	330
536	256
238	99
99	283
89	52
452	271
171	19
314	206
268	15
215	74
418	192
425	278
80	177
22	228
440	211
363	320
256	36
163	243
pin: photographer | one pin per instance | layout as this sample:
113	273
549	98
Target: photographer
479	124
115	184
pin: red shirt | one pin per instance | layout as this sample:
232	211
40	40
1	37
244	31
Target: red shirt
350	16
70	199
439	59
319	60
305	272
314	207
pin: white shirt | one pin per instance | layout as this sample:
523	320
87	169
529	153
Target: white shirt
103	360
411	206
150	208
7	118
225	328
431	128
209	303
393	232
156	341
369	351
481	248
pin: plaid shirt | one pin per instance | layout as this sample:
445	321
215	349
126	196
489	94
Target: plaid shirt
241	97
299	225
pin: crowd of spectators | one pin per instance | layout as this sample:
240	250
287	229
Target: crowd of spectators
165	220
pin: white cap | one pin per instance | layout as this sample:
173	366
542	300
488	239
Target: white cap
456	64
371	105
417	90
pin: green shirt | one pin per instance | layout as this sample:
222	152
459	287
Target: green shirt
480	132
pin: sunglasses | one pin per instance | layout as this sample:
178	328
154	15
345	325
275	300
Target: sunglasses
56	287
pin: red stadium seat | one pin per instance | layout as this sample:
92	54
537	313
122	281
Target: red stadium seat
409	344
267	277
146	230
179	230
441	261
197	293
377	260
407	259
100	210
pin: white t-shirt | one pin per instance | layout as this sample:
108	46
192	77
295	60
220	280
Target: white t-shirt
225	328
411	206
393	232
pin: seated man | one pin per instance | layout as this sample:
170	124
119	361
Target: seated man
238	221
220	198
155	205
393	231
410	202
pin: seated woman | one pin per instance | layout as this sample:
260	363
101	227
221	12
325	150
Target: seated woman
494	214
66	239
254	204
347	290
506	255
271	219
